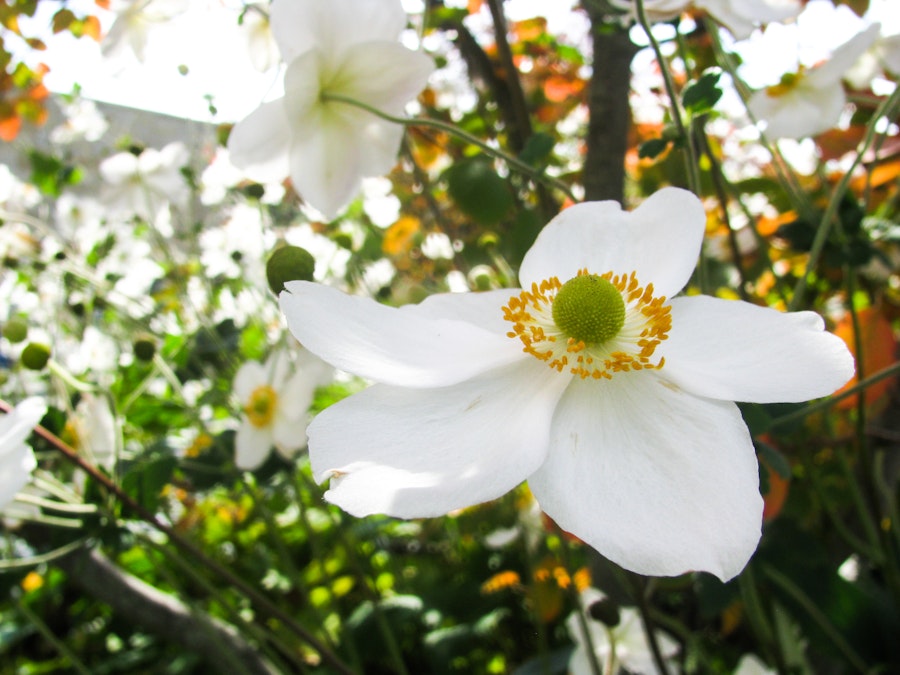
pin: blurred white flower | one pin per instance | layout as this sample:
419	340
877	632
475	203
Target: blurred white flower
144	184
342	47
624	645
94	430
750	664
811	100
261	45
738	16
134	21
275	398
83	122
16	457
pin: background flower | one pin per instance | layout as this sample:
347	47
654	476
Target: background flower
275	398
16	457
346	48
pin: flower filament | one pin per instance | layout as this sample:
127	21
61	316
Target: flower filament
591	326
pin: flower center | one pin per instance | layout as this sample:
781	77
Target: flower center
589	308
260	409
788	82
593	325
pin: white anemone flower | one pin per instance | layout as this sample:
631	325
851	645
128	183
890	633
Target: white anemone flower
622	646
347	48
16	457
275	398
144	184
810	101
738	16
610	396
135	19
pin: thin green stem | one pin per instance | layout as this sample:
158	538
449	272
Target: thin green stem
886	110
826	403
51	637
684	134
642	589
513	162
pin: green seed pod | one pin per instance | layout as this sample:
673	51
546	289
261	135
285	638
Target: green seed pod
15	330
35	356
144	348
289	263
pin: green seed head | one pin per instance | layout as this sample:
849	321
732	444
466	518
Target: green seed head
589	308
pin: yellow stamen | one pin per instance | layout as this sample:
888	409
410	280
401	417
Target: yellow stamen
647	323
260	409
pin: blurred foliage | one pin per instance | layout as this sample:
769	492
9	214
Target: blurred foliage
487	589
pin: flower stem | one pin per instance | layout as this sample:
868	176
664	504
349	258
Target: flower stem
677	113
887	109
513	162
824	404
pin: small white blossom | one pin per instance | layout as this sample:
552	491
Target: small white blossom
275	399
810	101
738	16
624	645
16	457
145	184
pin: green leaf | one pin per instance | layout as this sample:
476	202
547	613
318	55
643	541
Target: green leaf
478	191
652	148
702	95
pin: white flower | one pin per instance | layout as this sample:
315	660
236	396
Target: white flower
341	47
146	183
750	664
617	410
16	457
261	45
275	406
625	644
134	21
738	16
810	101
95	431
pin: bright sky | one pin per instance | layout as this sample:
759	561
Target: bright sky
207	41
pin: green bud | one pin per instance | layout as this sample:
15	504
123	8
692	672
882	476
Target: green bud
15	330
605	611
289	263
35	356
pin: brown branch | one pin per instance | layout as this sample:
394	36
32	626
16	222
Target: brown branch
609	106
515	114
218	643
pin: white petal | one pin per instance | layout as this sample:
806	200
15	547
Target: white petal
251	446
482	309
843	58
289	434
259	143
249	377
333	25
736	351
659	481
660	241
386	75
805	111
417	453
391	345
